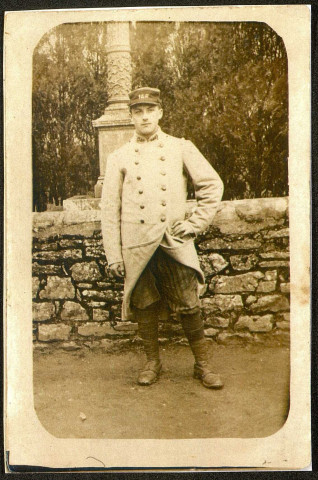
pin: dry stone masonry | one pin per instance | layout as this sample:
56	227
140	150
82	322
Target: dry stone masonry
244	255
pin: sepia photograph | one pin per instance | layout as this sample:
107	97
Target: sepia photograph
162	196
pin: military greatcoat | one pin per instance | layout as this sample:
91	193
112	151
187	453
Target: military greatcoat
144	194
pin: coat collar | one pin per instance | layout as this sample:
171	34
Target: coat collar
158	135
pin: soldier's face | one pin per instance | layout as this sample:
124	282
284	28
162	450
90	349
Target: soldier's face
146	118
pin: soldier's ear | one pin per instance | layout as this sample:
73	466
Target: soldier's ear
161	113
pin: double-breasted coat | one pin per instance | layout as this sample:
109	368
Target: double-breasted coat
144	194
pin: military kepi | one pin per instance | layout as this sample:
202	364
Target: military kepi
144	95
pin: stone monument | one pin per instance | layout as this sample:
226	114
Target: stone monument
115	126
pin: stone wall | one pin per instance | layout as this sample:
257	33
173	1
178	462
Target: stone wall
245	257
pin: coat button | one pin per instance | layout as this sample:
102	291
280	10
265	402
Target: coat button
136	163
142	221
142	206
138	178
163	173
162	159
136	149
141	191
163	218
164	188
160	145
163	203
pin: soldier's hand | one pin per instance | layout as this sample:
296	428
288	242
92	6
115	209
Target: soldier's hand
182	228
117	269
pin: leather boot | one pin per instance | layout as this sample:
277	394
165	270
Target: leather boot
202	370
194	331
148	331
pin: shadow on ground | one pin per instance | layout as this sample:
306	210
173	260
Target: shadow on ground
94	394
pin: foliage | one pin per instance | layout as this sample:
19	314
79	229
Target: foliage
69	91
224	86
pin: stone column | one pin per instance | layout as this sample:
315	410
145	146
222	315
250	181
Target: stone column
115	126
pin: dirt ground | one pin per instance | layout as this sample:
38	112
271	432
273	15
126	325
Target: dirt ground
101	388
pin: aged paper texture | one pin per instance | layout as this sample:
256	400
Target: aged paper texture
27	442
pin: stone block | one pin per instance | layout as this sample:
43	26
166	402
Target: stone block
100	315
247	282
113	345
250	299
272	303
270	275
52	246
93	242
255	323
210	332
275	255
58	287
285	287
73	311
70	346
84	285
86	272
43	311
93	304
212	263
41	347
283	232
35	286
222	303
127	327
274	264
58	256
94	248
70	243
107	295
106	285
244	262
250	215
96	329
283	325
95	252
221	244
38	269
81	202
266	287
228	338
220	322
52	333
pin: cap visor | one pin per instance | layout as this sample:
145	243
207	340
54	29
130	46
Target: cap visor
144	101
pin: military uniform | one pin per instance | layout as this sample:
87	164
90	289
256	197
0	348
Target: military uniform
144	194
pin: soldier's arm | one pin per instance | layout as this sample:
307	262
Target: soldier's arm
111	210
207	184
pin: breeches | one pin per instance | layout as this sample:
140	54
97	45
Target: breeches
168	280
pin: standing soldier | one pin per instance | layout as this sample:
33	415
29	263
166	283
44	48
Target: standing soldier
148	239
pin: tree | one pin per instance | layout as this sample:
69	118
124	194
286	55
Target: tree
224	87
69	91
